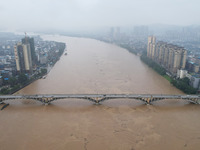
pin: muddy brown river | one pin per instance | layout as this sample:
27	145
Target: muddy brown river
94	67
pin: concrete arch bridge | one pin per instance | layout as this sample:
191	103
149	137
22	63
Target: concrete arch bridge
97	98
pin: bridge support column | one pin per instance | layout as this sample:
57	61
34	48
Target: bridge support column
97	103
148	101
46	104
45	101
198	101
1	101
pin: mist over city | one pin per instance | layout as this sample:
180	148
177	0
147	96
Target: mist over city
68	15
100	74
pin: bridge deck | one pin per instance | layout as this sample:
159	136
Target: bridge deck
101	95
147	98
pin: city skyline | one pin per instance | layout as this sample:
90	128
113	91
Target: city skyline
90	14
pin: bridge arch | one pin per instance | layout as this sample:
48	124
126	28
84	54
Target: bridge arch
97	98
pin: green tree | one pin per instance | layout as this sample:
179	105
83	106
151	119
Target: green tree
5	91
186	80
153	65
22	79
183	85
43	71
13	81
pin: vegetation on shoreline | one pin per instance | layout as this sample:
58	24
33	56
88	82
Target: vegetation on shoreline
16	83
182	84
126	46
168	78
153	65
54	57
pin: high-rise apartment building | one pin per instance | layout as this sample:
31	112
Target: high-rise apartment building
170	56
151	46
23	58
28	40
115	33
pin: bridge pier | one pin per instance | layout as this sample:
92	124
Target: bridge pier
148	101
46	104
97	103
198	101
45	101
1	101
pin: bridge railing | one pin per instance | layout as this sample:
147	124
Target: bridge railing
97	98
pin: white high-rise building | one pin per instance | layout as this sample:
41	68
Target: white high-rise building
151	46
23	58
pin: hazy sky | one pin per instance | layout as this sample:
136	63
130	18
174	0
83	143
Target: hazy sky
68	14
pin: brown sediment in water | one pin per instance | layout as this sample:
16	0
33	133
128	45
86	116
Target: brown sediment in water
94	67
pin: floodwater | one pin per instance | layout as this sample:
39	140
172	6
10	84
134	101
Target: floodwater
94	67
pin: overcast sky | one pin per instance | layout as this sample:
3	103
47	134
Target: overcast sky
68	14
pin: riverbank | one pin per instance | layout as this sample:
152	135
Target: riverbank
19	86
181	84
18	82
95	67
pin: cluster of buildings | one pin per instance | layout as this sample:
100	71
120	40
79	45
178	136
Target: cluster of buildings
193	63
177	61
174	59
184	34
32	55
46	52
171	57
28	56
7	58
114	33
133	39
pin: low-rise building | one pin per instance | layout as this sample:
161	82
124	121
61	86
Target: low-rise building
182	73
195	81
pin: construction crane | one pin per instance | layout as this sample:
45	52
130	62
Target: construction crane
25	37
